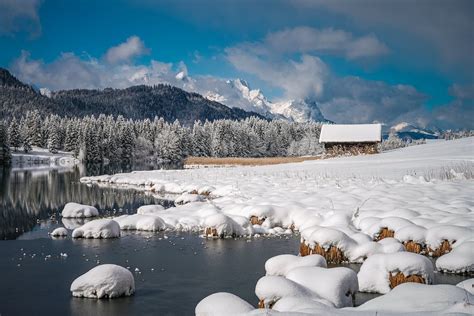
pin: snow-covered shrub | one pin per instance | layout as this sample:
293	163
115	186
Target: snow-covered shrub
459	260
104	281
141	222
282	264
336	285
392	142
220	225
76	210
382	272
99	228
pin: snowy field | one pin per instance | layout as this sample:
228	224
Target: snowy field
368	208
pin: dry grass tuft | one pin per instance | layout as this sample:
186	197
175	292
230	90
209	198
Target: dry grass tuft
240	161
385	232
415	247
444	248
332	255
254	220
400	278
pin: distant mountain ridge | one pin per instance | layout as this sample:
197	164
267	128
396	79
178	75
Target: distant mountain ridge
136	102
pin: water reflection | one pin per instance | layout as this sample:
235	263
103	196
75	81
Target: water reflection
28	196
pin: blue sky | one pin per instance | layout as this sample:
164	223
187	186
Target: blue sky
416	58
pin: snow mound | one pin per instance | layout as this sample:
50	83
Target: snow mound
453	234
141	222
467	285
188	198
76	210
459	260
222	304
282	264
376	272
59	232
104	281
414	297
269	289
150	209
99	228
336	285
220	225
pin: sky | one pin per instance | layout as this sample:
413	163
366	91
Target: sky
361	61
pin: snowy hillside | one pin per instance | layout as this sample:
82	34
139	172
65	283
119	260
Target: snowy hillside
407	131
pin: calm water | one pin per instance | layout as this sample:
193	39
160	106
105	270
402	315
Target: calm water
176	270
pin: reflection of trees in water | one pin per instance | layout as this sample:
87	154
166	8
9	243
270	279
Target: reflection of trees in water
30	195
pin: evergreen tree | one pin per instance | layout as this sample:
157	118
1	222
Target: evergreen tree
14	135
4	149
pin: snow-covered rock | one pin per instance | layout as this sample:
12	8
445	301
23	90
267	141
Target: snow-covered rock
76	210
99	228
222	304
459	260
282	264
150	209
59	232
336	285
140	222
104	281
376	272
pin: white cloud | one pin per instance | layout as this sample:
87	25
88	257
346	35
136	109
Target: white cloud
16	16
324	41
446	26
125	51
298	78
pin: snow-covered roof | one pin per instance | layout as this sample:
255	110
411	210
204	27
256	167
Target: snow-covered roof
350	133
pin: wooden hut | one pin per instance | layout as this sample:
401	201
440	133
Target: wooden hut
350	139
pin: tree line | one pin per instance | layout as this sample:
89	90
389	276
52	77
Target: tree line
116	139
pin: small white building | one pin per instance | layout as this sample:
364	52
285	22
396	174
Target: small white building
351	138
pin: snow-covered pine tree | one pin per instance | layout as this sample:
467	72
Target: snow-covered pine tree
4	149
14	135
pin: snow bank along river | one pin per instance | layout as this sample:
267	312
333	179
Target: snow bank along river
366	209
416	199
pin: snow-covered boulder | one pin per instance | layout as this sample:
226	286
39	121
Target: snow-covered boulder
150	209
220	225
459	260
413	298
336	285
188	198
76	210
140	222
222	304
104	281
99	228
282	264
73	223
59	232
382	272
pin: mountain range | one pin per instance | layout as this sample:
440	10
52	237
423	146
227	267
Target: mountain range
136	102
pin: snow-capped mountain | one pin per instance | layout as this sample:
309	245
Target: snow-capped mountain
408	131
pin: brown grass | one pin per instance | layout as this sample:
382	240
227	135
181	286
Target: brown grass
385	232
400	278
254	220
237	161
211	232
332	255
444	248
412	246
